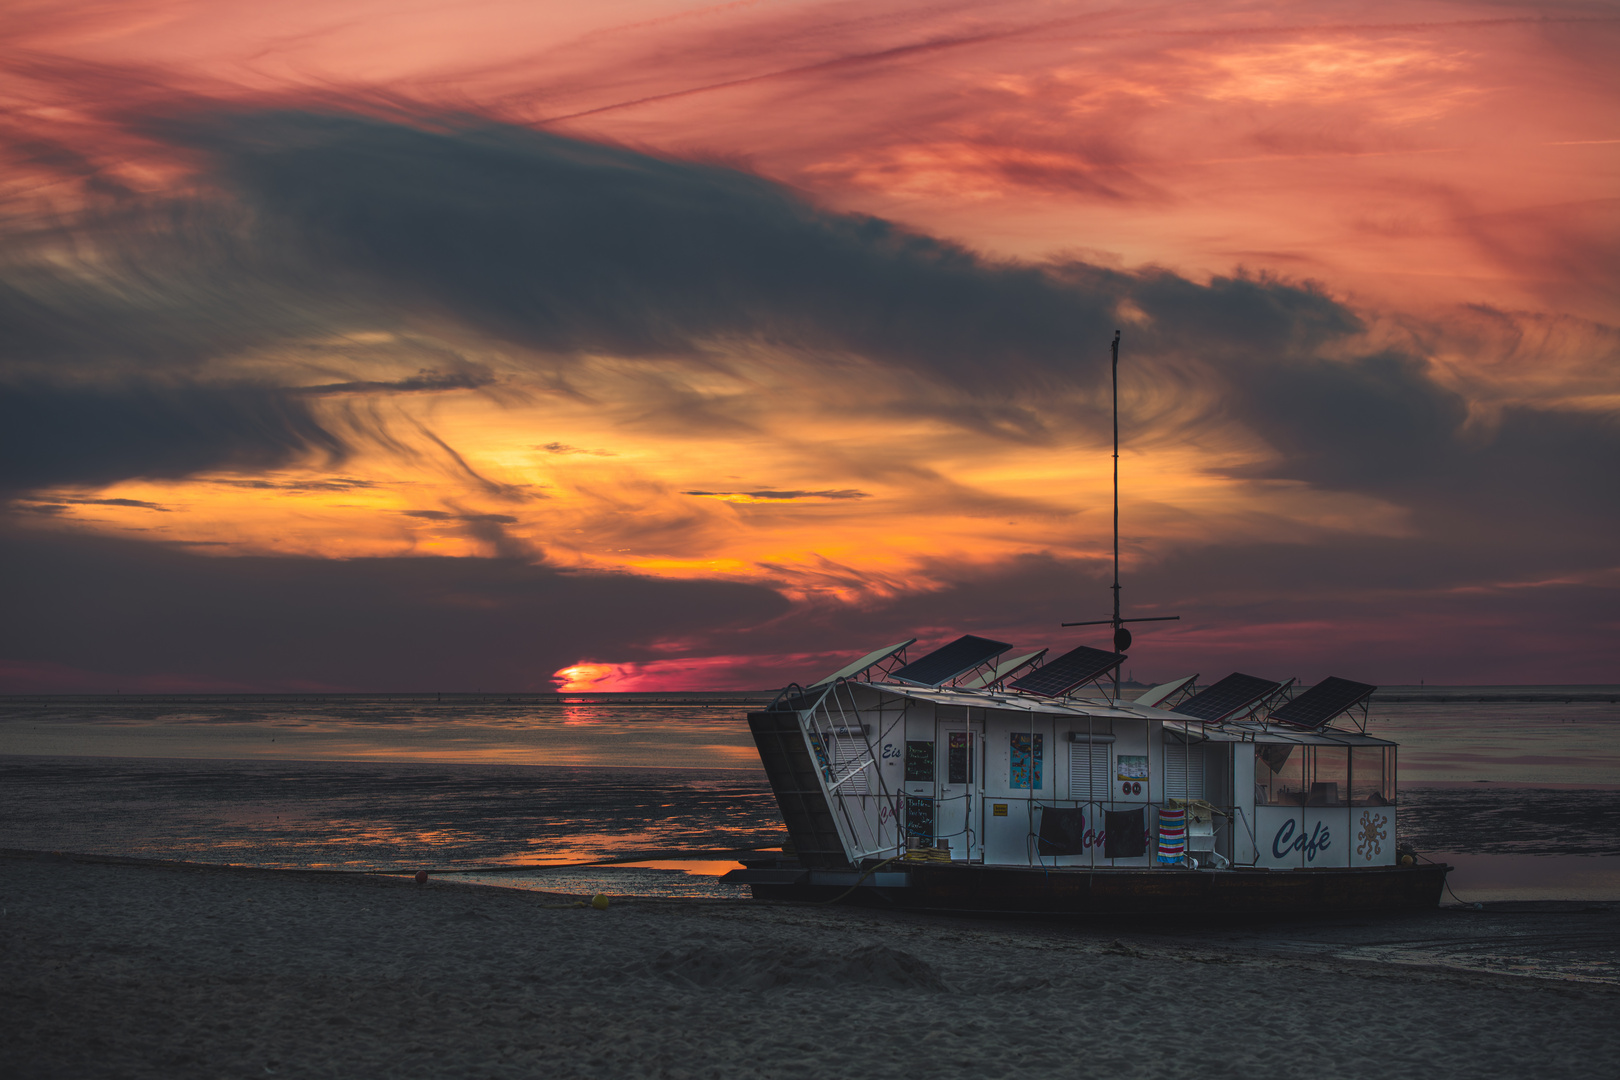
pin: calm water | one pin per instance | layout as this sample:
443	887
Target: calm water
1522	795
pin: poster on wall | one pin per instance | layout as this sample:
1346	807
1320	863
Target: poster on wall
1133	767
1026	760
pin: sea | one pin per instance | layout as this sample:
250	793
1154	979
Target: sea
1517	787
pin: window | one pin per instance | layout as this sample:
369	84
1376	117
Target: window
1089	766
1183	769
1372	776
1329	776
1279	774
1319	775
848	752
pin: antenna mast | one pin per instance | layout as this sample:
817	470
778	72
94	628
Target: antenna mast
1118	625
1122	636
1116	491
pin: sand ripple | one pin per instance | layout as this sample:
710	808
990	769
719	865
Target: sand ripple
754	967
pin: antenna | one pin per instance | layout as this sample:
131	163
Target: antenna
1117	626
1122	636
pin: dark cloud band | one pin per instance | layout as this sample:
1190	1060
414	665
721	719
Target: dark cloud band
87	435
287	622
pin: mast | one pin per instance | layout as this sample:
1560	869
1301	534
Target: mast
1122	636
1118	625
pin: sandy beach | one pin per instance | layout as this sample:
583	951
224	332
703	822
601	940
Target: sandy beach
127	970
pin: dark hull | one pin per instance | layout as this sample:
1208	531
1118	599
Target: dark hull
964	889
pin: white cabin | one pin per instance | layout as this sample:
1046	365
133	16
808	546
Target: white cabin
1002	778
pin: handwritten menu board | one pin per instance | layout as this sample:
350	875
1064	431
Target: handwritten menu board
920	815
919	762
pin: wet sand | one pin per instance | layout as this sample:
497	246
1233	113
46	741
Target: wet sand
126	970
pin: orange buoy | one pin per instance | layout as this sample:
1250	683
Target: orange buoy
421	877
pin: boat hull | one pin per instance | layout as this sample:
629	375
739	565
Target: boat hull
975	889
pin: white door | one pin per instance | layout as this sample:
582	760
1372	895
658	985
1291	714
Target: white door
958	806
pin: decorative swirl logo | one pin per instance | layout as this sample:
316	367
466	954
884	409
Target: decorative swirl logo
1372	835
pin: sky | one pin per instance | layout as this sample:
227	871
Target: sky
648	345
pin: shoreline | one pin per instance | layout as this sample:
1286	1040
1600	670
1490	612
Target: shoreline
448	876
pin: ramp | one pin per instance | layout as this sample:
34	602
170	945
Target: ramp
793	778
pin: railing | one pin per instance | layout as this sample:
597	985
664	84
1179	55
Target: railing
826	723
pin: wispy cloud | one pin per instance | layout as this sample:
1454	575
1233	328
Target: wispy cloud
564	448
779	496
444	515
139	504
335	483
466	377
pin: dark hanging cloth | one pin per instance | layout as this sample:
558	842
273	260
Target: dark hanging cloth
1126	834
1275	755
1063	831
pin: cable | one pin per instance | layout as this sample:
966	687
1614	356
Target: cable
1446	884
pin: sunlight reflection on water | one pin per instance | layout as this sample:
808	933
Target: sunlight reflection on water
580	735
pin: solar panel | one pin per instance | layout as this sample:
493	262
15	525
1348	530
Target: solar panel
849	671
1002	670
1164	691
1234	694
1322	702
1068	671
948	661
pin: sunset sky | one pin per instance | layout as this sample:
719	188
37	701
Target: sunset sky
382	346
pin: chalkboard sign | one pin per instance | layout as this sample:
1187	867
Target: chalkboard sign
959	758
920	814
919	762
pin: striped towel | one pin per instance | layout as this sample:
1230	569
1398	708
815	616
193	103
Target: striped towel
1172	834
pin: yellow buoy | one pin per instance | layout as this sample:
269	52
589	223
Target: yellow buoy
599	901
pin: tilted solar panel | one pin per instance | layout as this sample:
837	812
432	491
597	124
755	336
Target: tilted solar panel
1002	670
948	661
849	671
1234	694
1322	702
1158	695
1068	671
